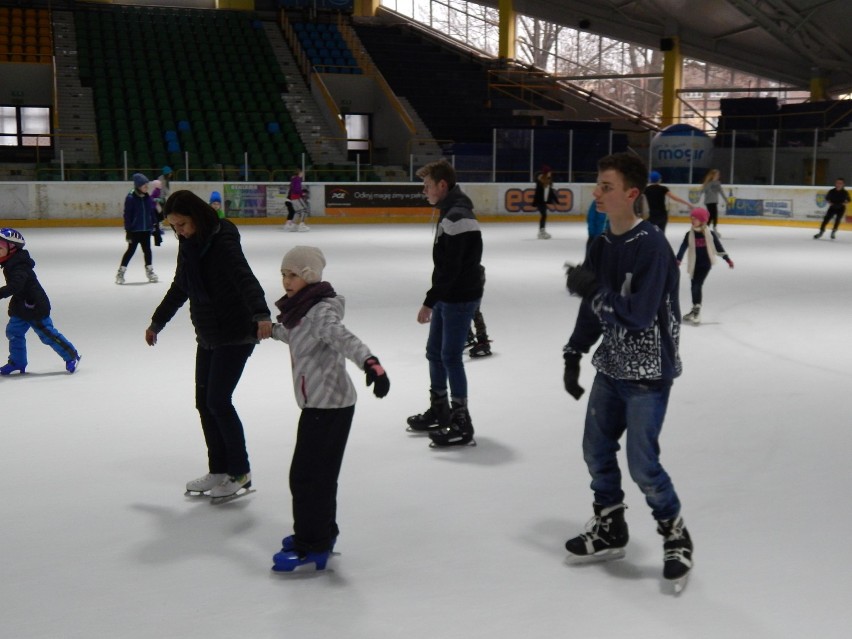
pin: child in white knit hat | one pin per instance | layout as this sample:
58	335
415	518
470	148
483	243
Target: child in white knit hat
310	322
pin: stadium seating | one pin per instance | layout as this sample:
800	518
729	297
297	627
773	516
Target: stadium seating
25	35
170	81
325	47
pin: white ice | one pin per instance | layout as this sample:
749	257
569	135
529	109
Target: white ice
98	539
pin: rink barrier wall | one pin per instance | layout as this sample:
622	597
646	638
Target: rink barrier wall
61	204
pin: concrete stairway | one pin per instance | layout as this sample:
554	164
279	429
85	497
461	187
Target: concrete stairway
424	147
311	125
77	133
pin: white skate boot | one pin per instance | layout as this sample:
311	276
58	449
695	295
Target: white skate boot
119	277
198	487
152	276
694	316
230	488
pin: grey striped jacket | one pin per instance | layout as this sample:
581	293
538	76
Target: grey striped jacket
319	345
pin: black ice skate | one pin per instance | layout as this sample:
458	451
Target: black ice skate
471	339
482	348
436	416
677	548
605	537
458	433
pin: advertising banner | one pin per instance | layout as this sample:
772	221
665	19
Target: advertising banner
768	202
245	200
276	198
375	199
519	199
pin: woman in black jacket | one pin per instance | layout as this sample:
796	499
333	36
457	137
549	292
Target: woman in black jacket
228	309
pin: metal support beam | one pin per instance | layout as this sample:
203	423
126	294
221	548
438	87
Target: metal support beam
672	81
506	43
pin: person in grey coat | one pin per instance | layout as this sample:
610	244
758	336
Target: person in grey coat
711	190
310	322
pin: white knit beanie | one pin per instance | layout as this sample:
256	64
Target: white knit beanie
305	261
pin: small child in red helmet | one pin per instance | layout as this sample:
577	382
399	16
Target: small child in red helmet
701	246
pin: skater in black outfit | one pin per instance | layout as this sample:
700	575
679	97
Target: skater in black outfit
228	309
544	196
656	194
477	337
837	199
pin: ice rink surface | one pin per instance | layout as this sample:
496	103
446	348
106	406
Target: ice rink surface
98	540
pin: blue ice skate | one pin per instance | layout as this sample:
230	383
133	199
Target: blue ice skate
288	544
290	560
71	365
10	367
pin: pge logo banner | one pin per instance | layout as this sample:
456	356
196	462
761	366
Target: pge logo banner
520	200
380	196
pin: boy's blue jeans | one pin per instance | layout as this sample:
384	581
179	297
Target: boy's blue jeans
16	331
445	346
616	406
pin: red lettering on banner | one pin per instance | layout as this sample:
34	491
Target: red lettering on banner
521	201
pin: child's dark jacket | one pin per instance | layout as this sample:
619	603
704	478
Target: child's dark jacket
29	301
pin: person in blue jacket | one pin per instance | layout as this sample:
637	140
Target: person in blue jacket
140	224
629	288
596	223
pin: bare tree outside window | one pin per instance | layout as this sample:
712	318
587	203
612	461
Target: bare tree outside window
594	62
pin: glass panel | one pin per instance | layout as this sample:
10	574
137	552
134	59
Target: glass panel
8	125
35	120
358	132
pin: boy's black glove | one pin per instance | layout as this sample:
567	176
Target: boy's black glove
582	282
376	375
571	378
